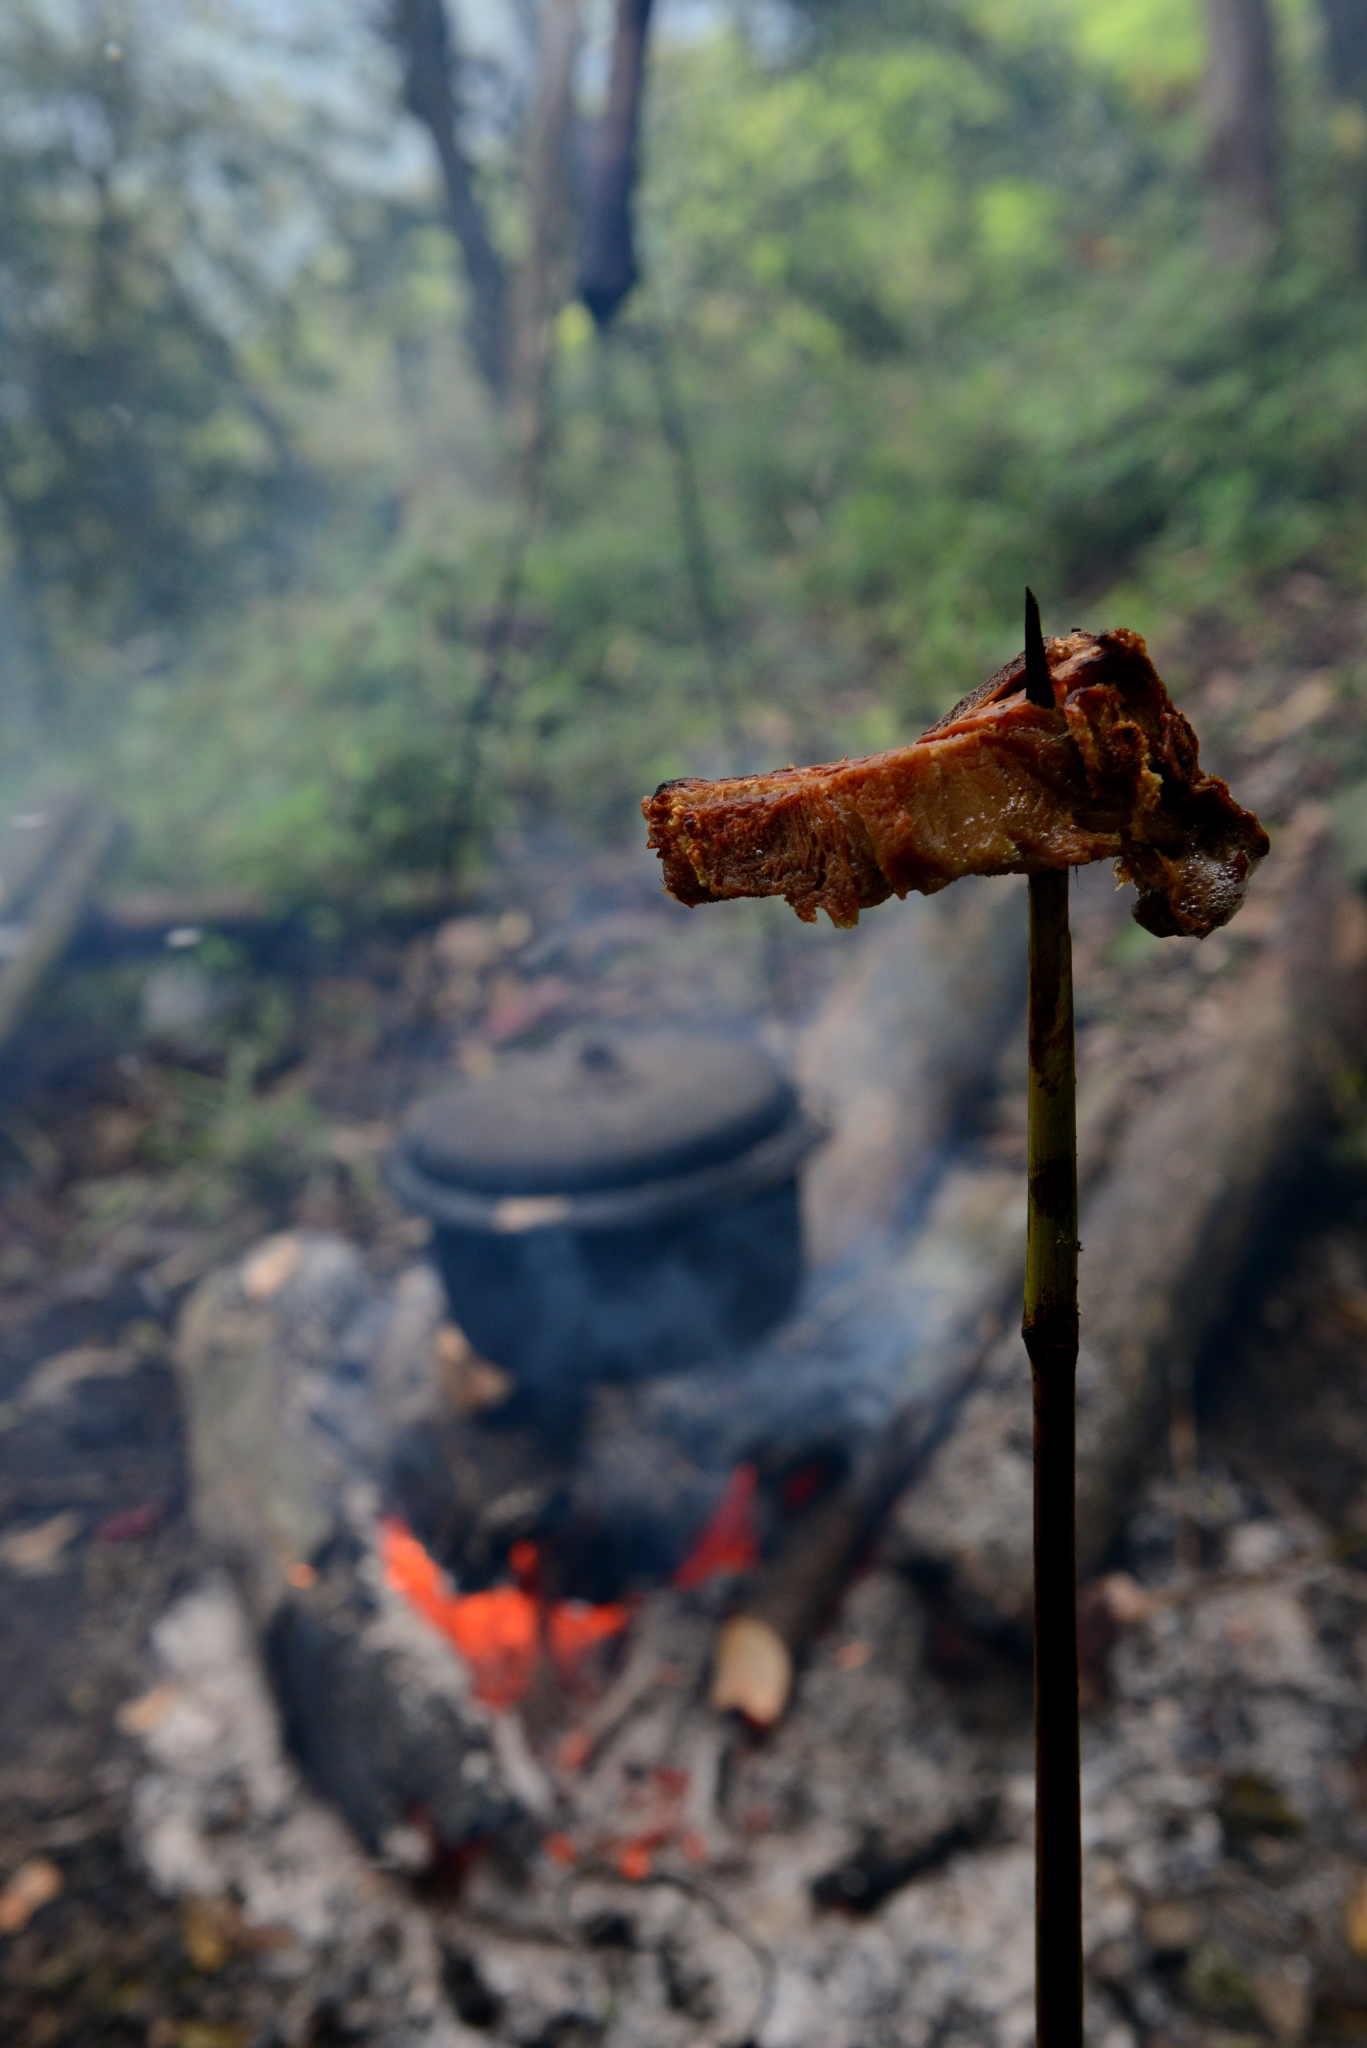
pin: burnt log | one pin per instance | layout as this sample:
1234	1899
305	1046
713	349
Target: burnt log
761	1643
877	1868
1169	1230
970	1249
274	1354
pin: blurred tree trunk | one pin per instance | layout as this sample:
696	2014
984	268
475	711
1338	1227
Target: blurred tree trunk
1241	118
1345	66
607	254
1345	47
431	64
543	279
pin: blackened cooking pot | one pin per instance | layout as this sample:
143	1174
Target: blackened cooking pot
613	1206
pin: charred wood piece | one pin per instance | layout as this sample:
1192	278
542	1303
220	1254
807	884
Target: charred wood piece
374	1732
761	1644
379	1713
879	1868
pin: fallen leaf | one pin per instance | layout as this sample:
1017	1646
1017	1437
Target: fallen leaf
214	1931
1171	1927
130	1524
470	1383
148	1711
1305	705
265	1270
1283	1991
32	1553
206	2034
33	1884
207	1928
1355	1921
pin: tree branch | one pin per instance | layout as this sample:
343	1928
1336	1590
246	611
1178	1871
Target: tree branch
607	256
422	34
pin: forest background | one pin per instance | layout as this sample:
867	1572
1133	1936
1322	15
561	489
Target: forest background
336	546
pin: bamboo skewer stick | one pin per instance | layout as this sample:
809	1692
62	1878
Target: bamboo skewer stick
1050	1329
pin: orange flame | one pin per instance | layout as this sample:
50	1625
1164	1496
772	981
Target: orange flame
410	1570
574	1627
498	1632
729	1542
499	1635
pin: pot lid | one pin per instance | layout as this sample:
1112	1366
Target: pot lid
595	1112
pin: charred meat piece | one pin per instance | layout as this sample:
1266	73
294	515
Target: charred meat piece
999	786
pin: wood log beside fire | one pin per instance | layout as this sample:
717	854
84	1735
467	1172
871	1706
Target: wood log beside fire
1193	1168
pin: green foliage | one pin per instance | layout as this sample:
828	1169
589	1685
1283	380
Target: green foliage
161	212
224	1132
936	298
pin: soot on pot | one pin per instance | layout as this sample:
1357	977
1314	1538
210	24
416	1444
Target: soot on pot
612	1206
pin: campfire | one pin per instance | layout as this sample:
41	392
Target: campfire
568	1625
503	1632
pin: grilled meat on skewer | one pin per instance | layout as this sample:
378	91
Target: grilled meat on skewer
999	786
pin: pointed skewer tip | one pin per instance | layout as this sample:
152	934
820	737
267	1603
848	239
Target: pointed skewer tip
1039	689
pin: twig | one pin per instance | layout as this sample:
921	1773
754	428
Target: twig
761	1643
1050	1329
650	338
692	524
498	640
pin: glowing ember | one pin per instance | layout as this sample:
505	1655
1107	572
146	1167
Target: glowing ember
574	1628
499	1635
498	1632
408	1569
658	1834
729	1542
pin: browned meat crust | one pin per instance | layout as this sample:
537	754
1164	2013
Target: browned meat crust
999	786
